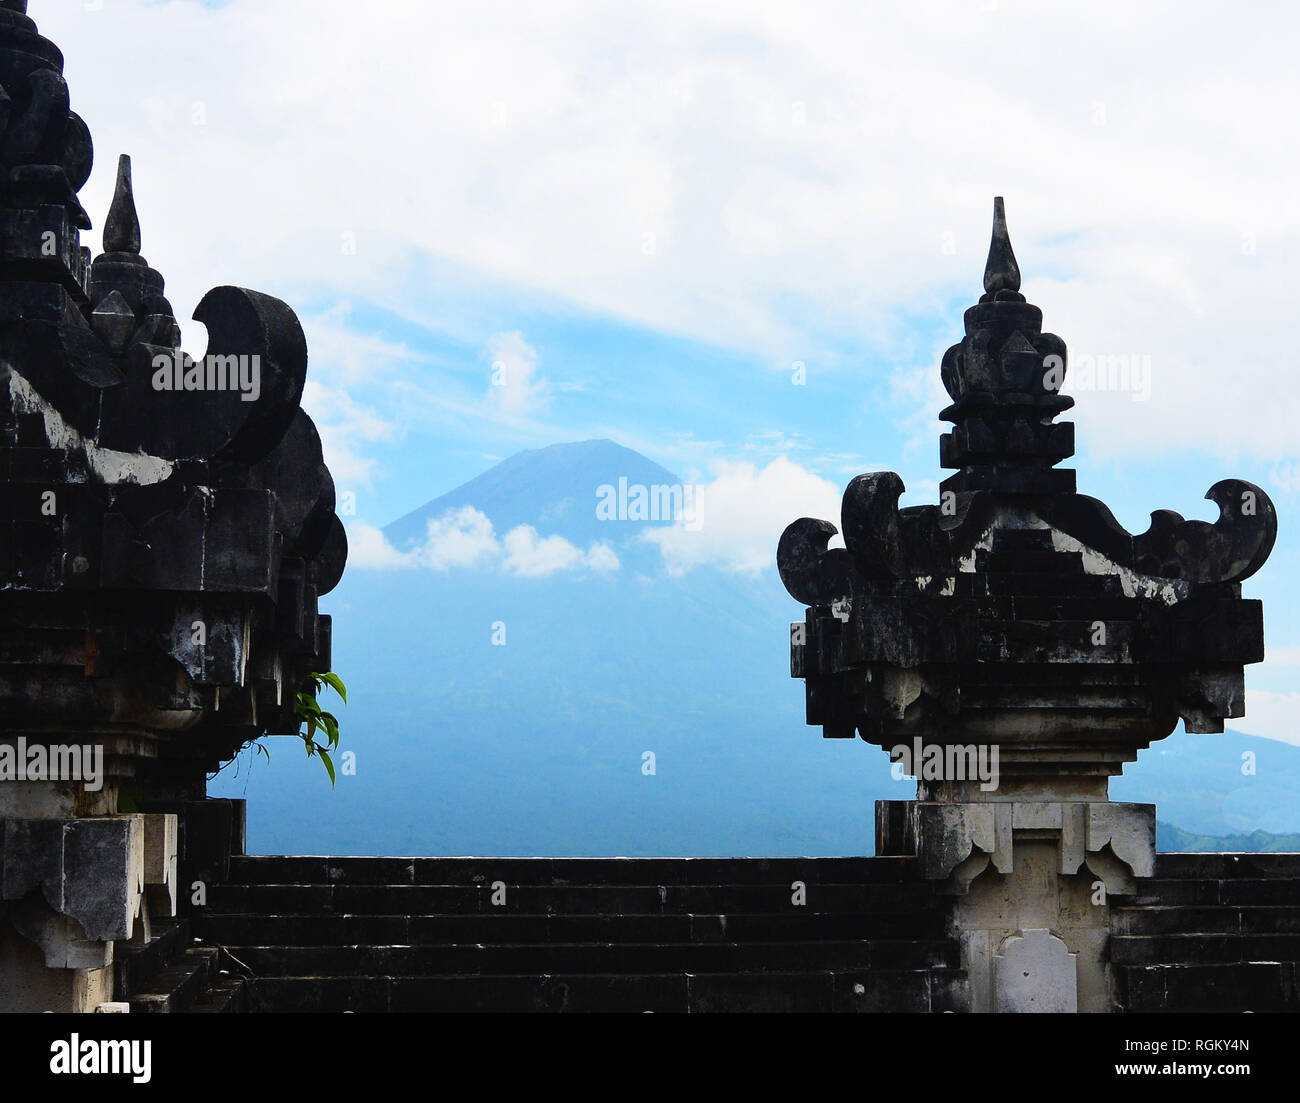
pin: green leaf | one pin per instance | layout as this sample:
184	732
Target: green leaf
336	683
314	718
329	764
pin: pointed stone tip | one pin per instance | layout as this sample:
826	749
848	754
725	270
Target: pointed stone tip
122	230
1001	273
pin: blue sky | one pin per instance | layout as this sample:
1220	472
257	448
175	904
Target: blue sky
649	214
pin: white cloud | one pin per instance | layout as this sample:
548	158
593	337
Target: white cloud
460	539
465	538
1271	716
516	386
345	426
368	549
757	175
742	513
1281	656
602	559
533	556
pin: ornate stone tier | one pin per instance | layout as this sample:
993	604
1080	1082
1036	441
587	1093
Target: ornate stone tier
167	526
1018	610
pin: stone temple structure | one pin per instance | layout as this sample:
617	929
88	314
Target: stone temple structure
1017	620
167	526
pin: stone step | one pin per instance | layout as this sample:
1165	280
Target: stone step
179	986
586	958
1244	892
134	966
1214	867
1027	561
1154	919
1203	949
226	996
1017	541
425	930
884	990
1212	919
619	899
309	870
1255	986
1049	585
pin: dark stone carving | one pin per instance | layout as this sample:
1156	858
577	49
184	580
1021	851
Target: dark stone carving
1018	608
166	524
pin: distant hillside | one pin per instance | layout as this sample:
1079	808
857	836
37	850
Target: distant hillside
1170	838
1227	784
538	746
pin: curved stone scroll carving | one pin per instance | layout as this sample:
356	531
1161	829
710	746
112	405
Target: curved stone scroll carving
1228	550
813	573
250	333
882	541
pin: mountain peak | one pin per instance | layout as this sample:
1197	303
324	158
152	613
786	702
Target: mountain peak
553	489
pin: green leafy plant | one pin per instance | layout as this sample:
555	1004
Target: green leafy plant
308	710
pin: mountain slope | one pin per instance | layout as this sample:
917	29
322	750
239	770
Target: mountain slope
553	489
1228	784
1171	838
497	714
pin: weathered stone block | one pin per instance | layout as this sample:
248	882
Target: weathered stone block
104	874
160	858
33	860
1035	972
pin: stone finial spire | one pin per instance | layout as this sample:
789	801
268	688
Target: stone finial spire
130	306
1001	273
122	230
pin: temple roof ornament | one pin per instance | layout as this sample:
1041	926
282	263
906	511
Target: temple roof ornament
143	491
1001	273
1017	607
122	228
46	152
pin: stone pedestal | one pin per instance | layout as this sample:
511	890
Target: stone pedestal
70	891
1031	882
